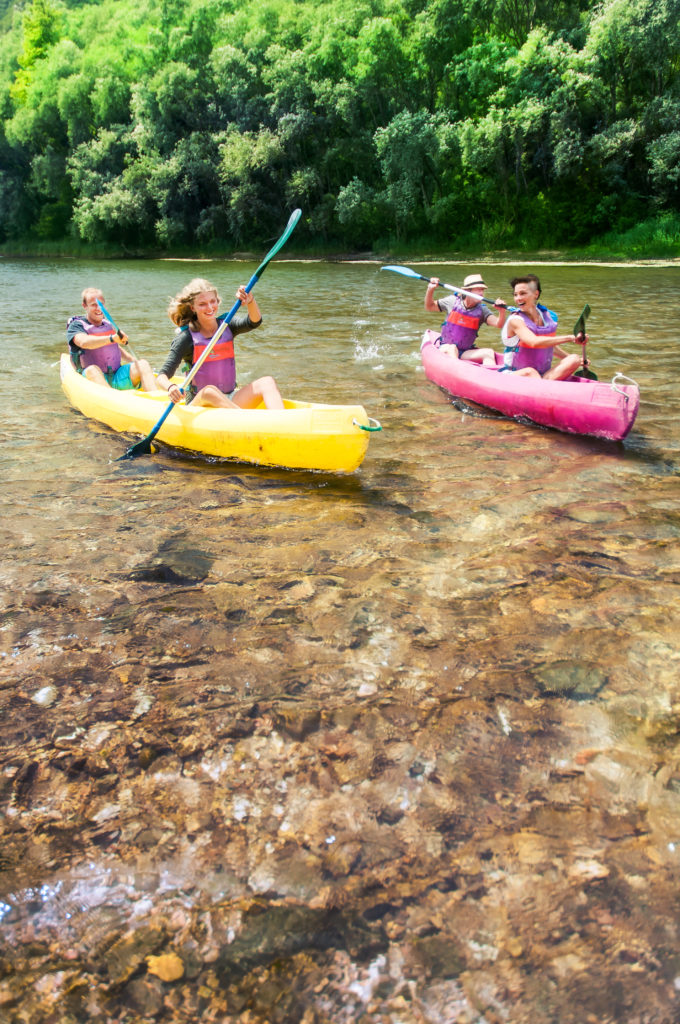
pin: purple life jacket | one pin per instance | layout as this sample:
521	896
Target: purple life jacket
461	326
540	359
106	357
220	366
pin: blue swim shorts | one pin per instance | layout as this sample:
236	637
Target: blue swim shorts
120	380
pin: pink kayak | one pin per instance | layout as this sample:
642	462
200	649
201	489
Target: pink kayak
576	405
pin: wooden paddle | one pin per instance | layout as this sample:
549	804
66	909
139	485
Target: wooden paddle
407	272
143	447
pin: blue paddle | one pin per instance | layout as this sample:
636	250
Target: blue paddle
407	272
143	447
112	321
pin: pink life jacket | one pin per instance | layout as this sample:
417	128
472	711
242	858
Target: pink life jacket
461	326
220	366
538	358
107	357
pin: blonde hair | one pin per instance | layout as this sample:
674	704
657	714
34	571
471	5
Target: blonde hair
89	293
180	309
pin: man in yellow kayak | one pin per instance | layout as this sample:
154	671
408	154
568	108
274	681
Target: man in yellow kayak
95	347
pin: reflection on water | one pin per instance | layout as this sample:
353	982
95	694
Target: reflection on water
394	746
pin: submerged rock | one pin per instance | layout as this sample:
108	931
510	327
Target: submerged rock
45	696
578	680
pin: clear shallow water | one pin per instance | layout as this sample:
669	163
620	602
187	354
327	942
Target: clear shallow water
450	678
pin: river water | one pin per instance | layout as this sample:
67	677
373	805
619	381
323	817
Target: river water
396	746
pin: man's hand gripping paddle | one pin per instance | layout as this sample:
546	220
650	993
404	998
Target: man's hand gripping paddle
118	330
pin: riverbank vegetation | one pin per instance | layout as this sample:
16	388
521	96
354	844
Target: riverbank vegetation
191	126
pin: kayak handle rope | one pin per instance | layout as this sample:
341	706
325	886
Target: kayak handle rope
369	428
622	377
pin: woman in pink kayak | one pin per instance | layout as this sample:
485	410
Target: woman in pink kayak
530	336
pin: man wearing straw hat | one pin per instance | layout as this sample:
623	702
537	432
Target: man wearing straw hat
465	314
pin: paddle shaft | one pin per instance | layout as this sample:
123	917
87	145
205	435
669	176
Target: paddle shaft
407	272
118	330
470	295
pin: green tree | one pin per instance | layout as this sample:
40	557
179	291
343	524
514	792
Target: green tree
42	27
200	121
408	152
253	180
634	48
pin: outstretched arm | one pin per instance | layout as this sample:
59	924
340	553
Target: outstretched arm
251	305
83	340
498	319
431	304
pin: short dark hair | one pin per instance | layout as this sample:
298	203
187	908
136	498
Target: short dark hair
527	279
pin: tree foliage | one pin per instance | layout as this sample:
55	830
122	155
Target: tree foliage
198	123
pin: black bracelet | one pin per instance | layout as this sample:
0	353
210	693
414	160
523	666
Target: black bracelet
111	339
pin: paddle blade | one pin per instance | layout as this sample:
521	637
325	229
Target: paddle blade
287	232
143	447
580	328
406	272
580	325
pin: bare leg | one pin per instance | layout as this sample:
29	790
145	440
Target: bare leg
449	350
479	355
213	397
94	374
565	368
528	371
265	389
141	371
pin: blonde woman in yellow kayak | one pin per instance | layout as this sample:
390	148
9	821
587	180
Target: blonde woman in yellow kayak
195	311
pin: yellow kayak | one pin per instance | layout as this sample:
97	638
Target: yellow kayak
304	435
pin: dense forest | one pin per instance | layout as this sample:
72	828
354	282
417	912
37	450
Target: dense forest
197	125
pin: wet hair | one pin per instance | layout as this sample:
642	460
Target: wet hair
527	279
179	310
90	293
